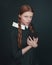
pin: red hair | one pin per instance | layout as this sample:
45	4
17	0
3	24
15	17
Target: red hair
23	8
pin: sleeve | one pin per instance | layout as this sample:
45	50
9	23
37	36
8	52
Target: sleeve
16	52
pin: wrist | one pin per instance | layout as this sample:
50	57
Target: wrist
30	46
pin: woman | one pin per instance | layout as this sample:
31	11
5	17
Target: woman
24	38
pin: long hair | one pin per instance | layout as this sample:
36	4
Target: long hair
23	8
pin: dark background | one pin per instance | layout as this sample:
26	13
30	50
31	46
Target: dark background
42	22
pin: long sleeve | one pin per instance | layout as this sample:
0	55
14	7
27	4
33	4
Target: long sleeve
16	52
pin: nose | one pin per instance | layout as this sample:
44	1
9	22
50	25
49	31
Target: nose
29	19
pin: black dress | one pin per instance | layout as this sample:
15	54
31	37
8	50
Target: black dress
29	58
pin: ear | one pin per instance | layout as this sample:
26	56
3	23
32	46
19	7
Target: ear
19	16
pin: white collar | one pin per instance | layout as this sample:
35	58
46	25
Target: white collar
14	24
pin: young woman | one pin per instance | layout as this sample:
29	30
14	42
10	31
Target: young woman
24	38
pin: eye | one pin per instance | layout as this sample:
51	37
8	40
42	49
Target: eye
30	16
26	16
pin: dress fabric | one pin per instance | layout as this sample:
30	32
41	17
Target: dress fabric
16	53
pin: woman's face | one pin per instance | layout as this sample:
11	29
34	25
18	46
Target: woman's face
26	17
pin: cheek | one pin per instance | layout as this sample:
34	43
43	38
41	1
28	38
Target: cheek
24	19
31	18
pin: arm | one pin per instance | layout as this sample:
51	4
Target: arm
24	50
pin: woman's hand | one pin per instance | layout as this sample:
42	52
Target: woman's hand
32	42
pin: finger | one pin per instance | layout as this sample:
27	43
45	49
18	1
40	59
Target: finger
37	39
34	39
29	41
30	38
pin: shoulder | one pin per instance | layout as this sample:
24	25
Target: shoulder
14	29
14	26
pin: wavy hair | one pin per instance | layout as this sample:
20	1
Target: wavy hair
23	8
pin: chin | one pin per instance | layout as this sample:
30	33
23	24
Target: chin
28	23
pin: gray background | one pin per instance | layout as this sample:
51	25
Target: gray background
42	22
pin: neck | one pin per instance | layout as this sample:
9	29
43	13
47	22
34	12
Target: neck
25	24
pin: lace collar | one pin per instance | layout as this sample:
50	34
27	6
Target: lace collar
14	24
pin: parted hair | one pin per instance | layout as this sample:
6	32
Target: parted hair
23	8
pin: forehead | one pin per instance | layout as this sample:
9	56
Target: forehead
28	13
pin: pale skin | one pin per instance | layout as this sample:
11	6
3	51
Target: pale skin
26	18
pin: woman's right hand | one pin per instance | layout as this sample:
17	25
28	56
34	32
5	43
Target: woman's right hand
32	42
